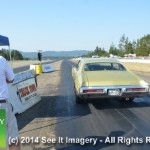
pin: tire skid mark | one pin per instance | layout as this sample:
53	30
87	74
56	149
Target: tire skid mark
135	121
131	123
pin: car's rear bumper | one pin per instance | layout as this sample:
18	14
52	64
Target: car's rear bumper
103	92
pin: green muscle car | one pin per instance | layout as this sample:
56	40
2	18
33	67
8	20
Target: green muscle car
105	78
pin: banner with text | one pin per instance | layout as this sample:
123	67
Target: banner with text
2	128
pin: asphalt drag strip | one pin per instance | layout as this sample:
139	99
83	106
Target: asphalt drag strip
101	119
40	120
97	124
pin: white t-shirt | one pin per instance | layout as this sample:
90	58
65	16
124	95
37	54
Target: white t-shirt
5	73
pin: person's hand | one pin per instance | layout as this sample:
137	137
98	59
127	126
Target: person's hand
9	81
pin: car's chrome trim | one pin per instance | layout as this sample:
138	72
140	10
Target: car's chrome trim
122	88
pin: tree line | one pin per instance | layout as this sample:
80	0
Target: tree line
15	54
140	47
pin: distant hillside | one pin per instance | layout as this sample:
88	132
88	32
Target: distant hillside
75	53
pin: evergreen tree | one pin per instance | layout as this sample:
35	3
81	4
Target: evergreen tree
113	50
15	54
143	46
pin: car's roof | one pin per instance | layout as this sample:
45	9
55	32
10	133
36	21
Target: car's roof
93	60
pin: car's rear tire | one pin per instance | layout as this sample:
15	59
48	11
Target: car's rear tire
77	98
129	99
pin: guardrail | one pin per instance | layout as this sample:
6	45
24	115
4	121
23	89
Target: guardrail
147	61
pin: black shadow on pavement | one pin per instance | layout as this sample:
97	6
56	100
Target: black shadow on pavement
113	103
51	106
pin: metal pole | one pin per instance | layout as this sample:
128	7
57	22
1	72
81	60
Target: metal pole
10	57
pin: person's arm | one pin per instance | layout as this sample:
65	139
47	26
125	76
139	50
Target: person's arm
9	73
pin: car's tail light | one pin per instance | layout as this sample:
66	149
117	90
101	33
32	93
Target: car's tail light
136	90
93	91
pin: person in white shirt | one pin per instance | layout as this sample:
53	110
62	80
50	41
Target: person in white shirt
7	76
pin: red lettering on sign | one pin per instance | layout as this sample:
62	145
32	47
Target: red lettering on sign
32	88
24	91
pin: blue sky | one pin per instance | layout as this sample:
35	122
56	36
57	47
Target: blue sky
72	24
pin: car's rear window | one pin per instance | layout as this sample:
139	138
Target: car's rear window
100	66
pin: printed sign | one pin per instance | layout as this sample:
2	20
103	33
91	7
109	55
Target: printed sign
2	128
47	68
23	76
27	90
